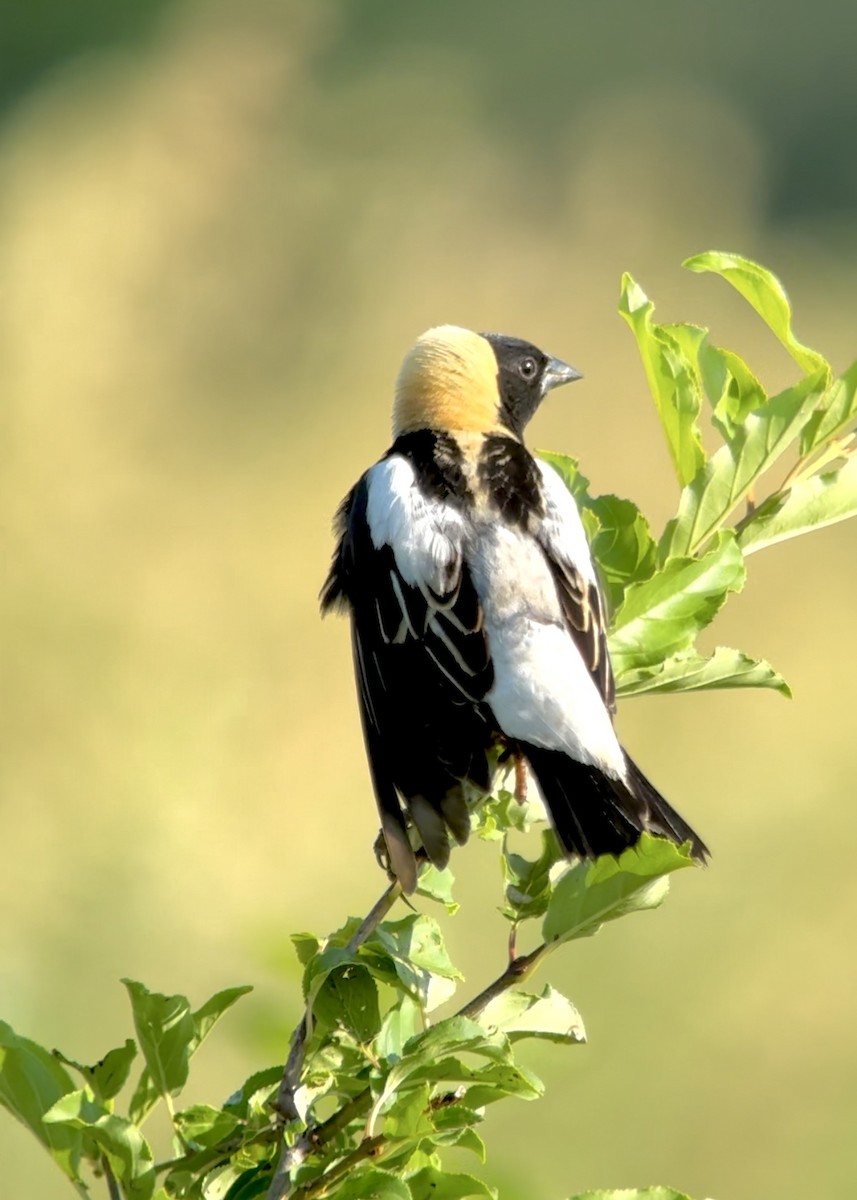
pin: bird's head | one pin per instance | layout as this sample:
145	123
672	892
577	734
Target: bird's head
454	380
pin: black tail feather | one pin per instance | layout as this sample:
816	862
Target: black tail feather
594	813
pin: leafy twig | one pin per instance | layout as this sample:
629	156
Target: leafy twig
284	1104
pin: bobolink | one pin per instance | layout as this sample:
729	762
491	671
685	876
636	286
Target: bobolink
478	624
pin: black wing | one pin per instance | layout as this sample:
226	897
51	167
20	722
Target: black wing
423	670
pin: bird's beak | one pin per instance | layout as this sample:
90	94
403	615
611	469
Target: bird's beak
556	373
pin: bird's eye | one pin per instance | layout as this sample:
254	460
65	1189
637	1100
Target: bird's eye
528	369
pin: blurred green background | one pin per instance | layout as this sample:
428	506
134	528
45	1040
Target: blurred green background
221	226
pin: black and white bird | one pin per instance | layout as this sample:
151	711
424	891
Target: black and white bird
477	620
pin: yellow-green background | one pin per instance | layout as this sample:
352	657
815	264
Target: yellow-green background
221	226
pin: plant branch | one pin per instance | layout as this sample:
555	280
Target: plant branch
284	1104
517	971
110	1178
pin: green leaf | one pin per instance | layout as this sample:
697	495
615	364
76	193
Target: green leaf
822	499
692	672
121	1142
767	296
437	885
107	1078
836	410
728	476
732	388
589	894
172	1036
205	1126
672	378
348	996
623	546
165	1031
501	812
528	882
617	531
520	1014
31	1082
409	1116
400	1024
416	946
432	1184
371	1183
648	1193
206	1017
662	615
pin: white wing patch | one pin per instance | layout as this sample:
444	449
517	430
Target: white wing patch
561	527
544	691
426	535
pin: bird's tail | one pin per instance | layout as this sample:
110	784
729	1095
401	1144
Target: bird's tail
594	813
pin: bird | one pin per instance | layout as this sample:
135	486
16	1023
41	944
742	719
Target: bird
478	623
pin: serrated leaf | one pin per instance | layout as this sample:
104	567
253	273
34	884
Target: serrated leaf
502	812
348	996
433	1184
732	388
173	1035
673	381
400	1024
31	1082
205	1126
121	1142
589	894
822	499
165	1030
259	1083
761	289
528	882
836	409
109	1075
623	547
409	1116
437	885
728	476
520	1014
371	1183
661	616
690	672
416	946
306	945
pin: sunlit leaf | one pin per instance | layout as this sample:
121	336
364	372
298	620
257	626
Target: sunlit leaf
437	885
690	671
766	294
589	894
520	1014
836	410
119	1139
673	380
662	616
728	476
812	503
432	1184
204	1125
528	883
109	1075
348	996
371	1183
31	1082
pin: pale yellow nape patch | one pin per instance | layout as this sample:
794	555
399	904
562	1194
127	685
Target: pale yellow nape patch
448	381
